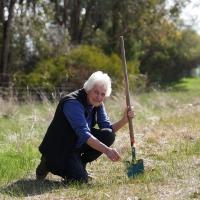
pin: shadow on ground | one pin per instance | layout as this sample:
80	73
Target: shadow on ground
30	187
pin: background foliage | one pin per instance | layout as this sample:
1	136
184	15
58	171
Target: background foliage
45	37
74	68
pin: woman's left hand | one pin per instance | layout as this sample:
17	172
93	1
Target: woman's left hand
128	113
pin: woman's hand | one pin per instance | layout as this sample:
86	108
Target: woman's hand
112	154
128	114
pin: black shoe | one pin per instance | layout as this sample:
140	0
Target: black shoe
90	175
41	170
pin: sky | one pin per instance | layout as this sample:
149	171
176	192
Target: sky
191	15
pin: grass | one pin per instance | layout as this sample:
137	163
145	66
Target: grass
188	84
167	130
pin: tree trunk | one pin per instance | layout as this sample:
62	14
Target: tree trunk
6	38
65	13
115	24
1	30
75	21
84	21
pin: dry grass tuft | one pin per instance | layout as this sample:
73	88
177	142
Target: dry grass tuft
8	107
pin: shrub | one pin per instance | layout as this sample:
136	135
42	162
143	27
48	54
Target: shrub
92	59
74	68
48	74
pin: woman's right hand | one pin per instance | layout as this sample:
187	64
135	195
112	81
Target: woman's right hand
112	154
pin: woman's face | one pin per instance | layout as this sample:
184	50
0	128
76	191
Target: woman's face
96	95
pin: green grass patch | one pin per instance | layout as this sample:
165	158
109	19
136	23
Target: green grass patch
188	84
17	162
20	135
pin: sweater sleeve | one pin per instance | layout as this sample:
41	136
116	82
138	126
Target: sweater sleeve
74	112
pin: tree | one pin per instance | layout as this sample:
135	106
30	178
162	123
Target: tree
6	16
33	35
78	17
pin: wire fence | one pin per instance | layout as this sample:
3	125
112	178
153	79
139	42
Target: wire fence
9	90
25	93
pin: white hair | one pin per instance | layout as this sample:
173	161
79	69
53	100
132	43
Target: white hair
99	78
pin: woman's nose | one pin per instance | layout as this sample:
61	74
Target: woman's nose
98	96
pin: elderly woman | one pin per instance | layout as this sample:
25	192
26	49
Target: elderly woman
71	140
